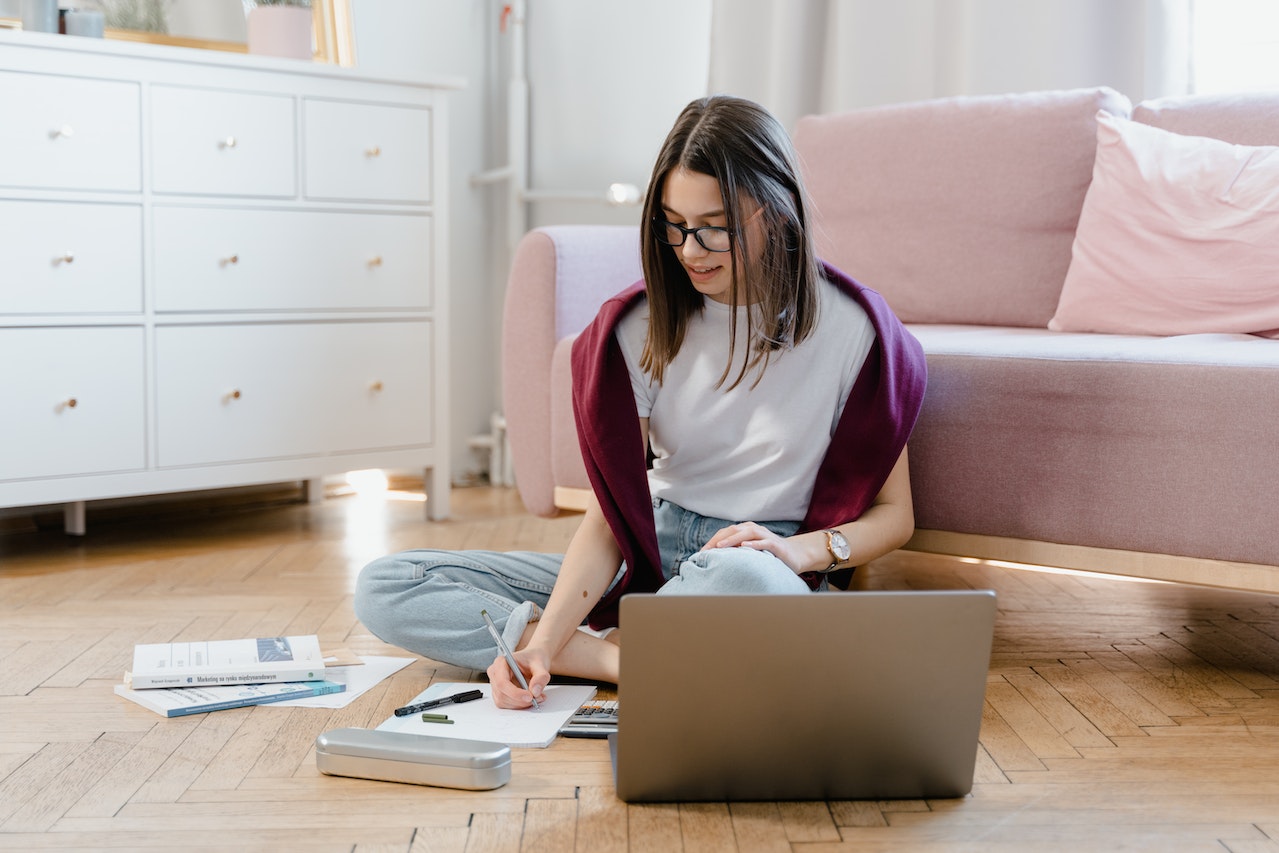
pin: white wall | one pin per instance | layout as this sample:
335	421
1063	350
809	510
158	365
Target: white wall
607	80
600	107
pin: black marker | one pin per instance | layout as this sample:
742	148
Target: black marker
455	699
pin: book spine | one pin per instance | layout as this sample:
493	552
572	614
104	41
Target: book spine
216	679
319	690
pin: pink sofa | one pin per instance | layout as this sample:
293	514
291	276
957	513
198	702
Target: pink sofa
1144	455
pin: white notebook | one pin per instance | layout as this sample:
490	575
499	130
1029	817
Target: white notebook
482	720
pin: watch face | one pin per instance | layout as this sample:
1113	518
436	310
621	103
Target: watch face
839	545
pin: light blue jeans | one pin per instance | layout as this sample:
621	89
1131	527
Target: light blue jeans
429	602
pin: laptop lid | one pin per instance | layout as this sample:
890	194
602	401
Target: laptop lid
863	695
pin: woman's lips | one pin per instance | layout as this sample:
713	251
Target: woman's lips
702	274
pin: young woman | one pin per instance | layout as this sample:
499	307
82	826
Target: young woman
772	394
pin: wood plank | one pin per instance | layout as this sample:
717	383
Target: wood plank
256	729
759	826
38	814
495	833
706	828
1076	729
1128	701
550	826
1031	727
808	822
33	663
114	789
1167	698
189	759
1098	710
601	820
653	827
439	839
1248	665
857	813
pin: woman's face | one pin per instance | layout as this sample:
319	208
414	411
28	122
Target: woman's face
692	199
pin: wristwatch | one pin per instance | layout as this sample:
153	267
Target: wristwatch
838	547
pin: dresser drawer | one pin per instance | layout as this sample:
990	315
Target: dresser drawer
218	259
69	133
255	392
63	258
367	152
82	410
207	142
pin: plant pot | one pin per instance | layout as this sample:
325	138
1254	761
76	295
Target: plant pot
280	31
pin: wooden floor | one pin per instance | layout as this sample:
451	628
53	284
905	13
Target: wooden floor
1119	715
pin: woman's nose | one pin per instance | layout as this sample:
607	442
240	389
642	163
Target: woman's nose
692	248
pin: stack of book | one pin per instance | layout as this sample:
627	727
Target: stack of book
176	679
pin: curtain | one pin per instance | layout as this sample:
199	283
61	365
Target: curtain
821	56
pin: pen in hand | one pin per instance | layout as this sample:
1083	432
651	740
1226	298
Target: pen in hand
510	659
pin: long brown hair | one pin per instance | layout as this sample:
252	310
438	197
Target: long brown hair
743	147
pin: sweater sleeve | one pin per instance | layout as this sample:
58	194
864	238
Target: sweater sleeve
878	418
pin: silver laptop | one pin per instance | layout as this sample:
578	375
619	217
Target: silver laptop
831	696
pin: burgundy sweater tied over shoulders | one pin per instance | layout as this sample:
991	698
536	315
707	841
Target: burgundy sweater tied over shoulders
878	417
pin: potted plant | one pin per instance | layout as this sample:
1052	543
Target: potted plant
281	28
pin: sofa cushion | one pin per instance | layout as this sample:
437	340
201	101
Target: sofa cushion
1244	119
1178	235
1112	441
959	210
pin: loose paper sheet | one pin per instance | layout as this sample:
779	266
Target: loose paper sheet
482	720
358	680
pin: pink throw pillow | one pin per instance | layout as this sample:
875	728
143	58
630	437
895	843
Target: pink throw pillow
957	210
1178	235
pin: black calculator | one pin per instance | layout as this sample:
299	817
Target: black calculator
593	719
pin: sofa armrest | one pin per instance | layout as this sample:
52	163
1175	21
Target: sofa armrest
559	278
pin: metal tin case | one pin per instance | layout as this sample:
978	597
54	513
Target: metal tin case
474	765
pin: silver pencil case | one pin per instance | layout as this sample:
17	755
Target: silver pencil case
475	765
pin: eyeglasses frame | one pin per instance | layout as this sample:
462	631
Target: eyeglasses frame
661	225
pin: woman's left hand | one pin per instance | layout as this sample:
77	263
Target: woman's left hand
748	534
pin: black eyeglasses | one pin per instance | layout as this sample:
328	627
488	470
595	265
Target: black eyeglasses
711	237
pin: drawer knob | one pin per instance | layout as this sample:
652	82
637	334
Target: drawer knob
231	395
375	151
65	132
229	142
70	403
230	259
375	261
64	258
376	385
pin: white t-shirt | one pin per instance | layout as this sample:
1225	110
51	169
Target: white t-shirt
750	453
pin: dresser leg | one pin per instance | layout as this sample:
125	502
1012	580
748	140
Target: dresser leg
73	518
313	490
436	485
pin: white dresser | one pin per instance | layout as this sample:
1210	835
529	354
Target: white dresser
216	270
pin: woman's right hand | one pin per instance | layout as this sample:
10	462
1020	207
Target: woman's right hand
507	693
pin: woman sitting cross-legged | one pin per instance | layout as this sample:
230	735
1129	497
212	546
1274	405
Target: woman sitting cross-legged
773	394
